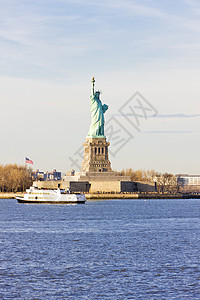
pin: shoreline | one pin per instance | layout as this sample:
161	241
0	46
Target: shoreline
10	195
120	196
140	196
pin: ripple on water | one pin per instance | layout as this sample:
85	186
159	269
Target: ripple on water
102	250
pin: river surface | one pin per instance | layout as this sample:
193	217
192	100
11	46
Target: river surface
111	249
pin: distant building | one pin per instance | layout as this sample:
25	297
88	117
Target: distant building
185	179
44	176
188	183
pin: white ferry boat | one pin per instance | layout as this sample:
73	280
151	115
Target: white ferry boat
34	195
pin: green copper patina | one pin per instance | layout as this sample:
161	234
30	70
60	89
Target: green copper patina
97	114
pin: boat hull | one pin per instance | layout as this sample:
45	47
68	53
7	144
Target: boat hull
48	201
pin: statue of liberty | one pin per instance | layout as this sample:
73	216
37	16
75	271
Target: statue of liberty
97	114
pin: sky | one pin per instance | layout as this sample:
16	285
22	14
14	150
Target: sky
145	57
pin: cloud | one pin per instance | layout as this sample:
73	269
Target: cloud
179	18
137	9
166	116
84	34
194	6
178	115
171	132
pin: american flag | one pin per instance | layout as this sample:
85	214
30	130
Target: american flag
29	161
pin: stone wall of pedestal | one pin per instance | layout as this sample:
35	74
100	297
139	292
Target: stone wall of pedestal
96	156
105	186
95	184
103	176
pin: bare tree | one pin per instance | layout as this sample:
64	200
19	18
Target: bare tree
166	182
14	178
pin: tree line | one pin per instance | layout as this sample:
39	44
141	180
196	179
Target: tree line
15	178
165	182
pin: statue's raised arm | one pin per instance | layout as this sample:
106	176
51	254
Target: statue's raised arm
97	114
92	87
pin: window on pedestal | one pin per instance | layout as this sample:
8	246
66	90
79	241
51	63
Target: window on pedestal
106	152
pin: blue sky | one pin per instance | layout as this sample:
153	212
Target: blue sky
49	50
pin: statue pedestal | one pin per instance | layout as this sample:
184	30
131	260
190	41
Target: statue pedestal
96	155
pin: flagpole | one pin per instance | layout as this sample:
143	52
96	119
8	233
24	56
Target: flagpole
24	171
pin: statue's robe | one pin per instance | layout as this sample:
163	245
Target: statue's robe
97	117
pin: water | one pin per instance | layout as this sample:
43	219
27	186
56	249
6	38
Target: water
114	249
